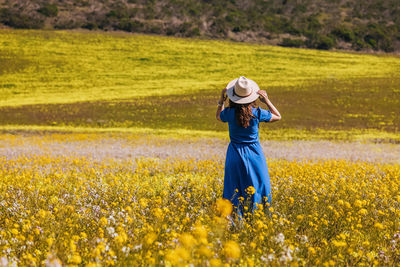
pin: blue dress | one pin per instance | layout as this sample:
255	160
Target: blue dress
245	163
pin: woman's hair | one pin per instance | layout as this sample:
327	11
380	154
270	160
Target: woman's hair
243	112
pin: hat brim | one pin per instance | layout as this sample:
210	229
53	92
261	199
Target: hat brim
242	100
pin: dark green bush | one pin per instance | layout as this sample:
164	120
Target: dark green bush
68	24
129	25
369	39
387	45
313	23
195	32
378	37
320	41
237	29
344	33
21	20
155	28
277	24
118	13
90	26
359	44
325	42
49	10
287	42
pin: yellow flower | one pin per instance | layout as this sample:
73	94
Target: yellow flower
187	240
200	232
358	203
205	251
177	255
339	243
215	263
224	207
49	241
83	235
14	231
103	221
158	213
379	226
250	190
363	211
271	209
250	262
76	259
150	238
231	250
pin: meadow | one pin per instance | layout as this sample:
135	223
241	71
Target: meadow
110	153
81	211
127	81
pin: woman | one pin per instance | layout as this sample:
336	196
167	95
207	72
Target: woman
246	172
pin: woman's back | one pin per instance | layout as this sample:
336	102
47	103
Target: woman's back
239	134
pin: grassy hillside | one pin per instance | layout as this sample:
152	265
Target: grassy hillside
117	80
322	24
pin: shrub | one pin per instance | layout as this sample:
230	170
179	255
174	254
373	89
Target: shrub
128	25
387	45
117	13
155	28
378	38
320	42
17	19
90	26
287	42
369	39
313	23
359	44
343	33
325	42
49	10
68	23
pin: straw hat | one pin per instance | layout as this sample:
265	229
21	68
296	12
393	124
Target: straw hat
242	90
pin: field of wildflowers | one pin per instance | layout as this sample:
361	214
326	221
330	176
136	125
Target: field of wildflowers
88	210
110	154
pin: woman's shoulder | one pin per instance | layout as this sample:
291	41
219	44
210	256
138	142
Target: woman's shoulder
256	110
229	109
262	114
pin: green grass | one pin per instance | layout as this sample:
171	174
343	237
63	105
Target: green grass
127	81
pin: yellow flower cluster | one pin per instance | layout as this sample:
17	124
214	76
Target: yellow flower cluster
75	211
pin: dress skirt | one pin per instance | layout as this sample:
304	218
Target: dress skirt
245	166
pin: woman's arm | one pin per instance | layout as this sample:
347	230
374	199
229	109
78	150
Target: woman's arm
221	103
276	116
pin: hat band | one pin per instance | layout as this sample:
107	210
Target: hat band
234	93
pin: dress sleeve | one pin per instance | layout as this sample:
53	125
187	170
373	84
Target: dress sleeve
264	115
223	115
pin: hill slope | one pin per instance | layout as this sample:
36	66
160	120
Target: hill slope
120	80
321	24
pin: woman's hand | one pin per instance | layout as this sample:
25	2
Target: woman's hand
220	107
275	115
263	94
223	94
